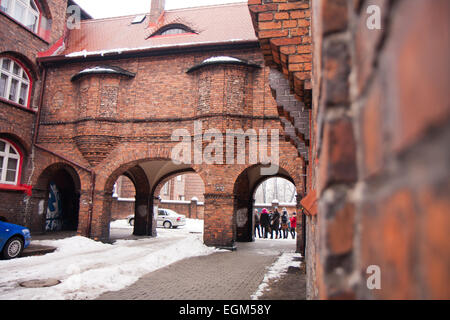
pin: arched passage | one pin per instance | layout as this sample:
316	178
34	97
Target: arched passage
244	190
147	176
182	192
58	188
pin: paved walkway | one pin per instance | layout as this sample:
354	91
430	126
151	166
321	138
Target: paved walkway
221	276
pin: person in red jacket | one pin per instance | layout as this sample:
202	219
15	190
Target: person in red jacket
293	221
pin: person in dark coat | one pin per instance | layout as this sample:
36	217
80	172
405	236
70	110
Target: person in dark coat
265	222
257	223
275	224
284	224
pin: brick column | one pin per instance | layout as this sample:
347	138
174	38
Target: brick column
299	229
220	227
38	212
193	209
144	217
83	214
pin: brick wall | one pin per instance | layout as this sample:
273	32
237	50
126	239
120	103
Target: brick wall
379	157
16	122
143	113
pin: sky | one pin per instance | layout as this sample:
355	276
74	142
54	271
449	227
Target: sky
114	8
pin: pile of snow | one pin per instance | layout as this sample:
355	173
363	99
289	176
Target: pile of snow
87	268
279	268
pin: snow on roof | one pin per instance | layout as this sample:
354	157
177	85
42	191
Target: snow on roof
221	59
102	70
97	69
84	53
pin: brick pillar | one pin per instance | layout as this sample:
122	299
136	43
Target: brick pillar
83	215
101	216
37	216
144	218
299	229
193	209
220	227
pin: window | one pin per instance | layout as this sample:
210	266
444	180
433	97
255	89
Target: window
9	163
161	213
14	82
24	11
166	189
173	29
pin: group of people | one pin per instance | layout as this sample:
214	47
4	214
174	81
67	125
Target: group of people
268	222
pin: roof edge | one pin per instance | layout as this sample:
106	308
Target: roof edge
103	69
147	51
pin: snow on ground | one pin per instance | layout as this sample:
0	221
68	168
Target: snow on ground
279	268
87	268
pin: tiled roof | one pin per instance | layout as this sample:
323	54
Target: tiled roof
212	24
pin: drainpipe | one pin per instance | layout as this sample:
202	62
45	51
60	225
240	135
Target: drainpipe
35	144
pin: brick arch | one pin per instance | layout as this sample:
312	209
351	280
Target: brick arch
26	62
45	175
160	183
39	199
122	159
126	160
139	179
243	193
15	137
258	183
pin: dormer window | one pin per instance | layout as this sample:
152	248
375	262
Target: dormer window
173	29
24	11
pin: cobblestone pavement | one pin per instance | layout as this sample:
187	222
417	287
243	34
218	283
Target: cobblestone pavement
220	276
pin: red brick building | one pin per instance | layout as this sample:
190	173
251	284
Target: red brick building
106	99
363	114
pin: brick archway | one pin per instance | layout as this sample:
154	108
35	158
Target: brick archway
243	198
146	174
68	182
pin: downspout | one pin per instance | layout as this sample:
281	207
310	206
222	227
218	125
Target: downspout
35	144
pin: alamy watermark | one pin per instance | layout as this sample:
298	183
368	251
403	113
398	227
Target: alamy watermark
374	279
73	17
373	22
211	147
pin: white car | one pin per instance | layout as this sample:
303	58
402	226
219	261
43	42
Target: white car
170	219
166	218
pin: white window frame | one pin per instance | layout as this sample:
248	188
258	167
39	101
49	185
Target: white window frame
9	6
6	156
22	78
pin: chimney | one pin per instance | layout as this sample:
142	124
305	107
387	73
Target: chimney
156	10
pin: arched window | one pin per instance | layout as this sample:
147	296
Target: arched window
15	82
173	29
25	11
10	162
